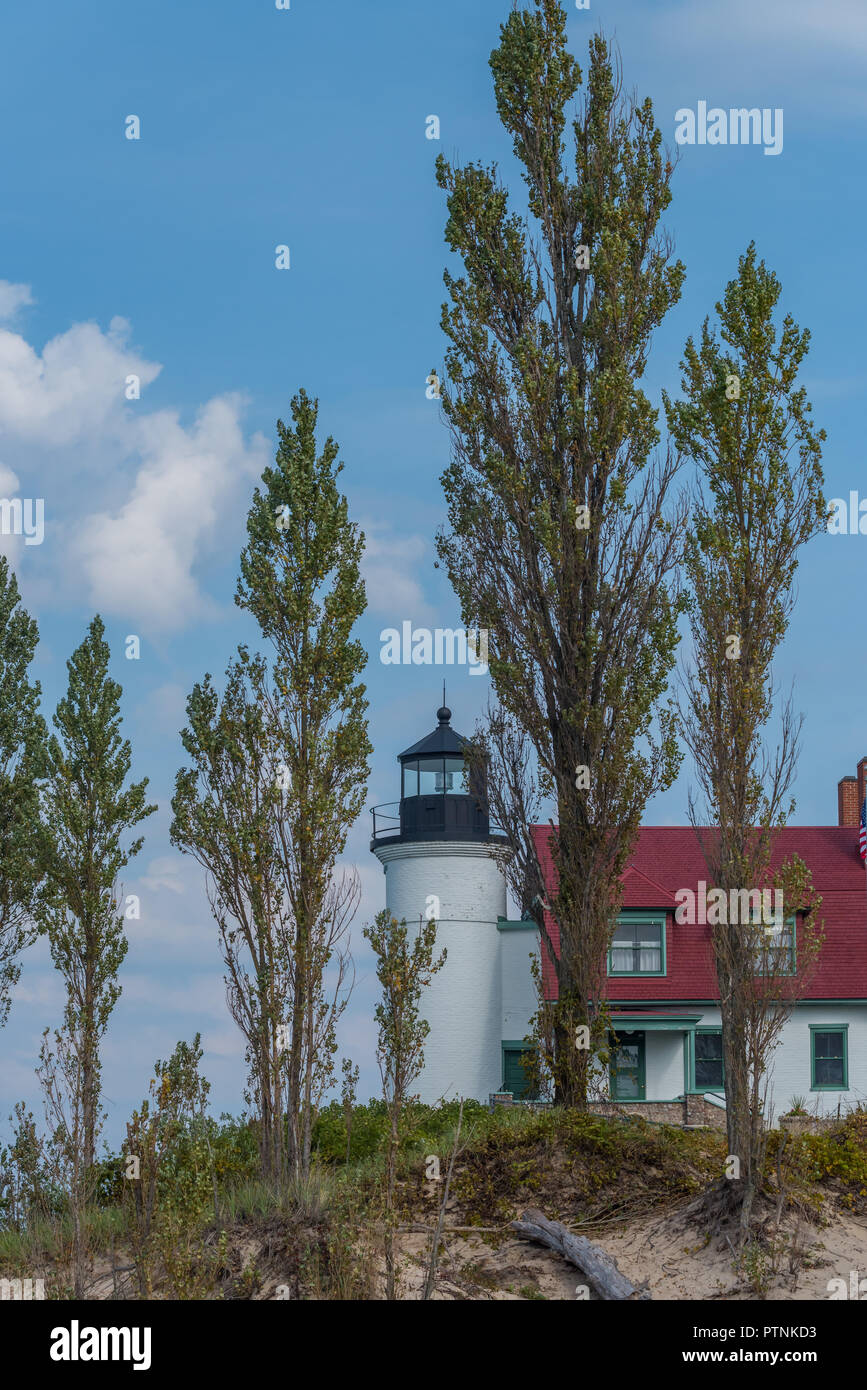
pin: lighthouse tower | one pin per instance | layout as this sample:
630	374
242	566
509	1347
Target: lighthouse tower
435	849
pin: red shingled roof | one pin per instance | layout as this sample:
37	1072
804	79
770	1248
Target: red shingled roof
667	859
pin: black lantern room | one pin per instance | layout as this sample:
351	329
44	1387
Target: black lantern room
440	799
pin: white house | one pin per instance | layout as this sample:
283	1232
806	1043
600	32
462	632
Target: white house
437	850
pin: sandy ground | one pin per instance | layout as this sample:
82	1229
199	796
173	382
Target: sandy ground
666	1251
669	1254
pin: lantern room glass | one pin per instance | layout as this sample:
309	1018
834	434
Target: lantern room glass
454	777
410	779
429	772
434	777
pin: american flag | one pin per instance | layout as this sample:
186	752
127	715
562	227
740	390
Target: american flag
862	834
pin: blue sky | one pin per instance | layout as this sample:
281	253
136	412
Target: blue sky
306	127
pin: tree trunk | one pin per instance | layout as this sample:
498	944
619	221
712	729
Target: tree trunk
598	1267
391	1165
294	1098
88	1061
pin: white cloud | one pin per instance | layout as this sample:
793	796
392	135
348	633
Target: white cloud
74	389
165	871
203	995
166	489
761	54
166	707
391	567
12	299
10	545
140	559
40	991
775	25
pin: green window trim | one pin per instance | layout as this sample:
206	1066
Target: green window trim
658	919
694	1088
842	1028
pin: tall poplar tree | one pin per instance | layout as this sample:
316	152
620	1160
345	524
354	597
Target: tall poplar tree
558	541
22	739
300	579
746	423
88	809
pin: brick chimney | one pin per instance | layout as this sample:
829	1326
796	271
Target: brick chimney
850	797
848	810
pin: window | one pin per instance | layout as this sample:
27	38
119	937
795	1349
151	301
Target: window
410	779
773	946
430	773
454	777
829	1059
638	946
708	1060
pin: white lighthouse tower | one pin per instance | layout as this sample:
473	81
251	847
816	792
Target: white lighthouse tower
435	849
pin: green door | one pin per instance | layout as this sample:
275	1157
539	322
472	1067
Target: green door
514	1074
627	1067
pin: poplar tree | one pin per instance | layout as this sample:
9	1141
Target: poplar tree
405	966
300	579
559	542
22	739
228	808
88	809
746	423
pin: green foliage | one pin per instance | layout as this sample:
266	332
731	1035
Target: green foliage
425	1128
348	1091
549	421
301	581
279	767
836	1157
746	424
22	745
87	812
576	1163
755	1263
28	1189
404	968
169	1174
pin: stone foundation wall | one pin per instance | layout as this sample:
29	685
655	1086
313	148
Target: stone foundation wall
666	1112
807	1124
703	1112
688	1110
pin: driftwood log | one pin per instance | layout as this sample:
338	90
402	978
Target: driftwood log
598	1268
